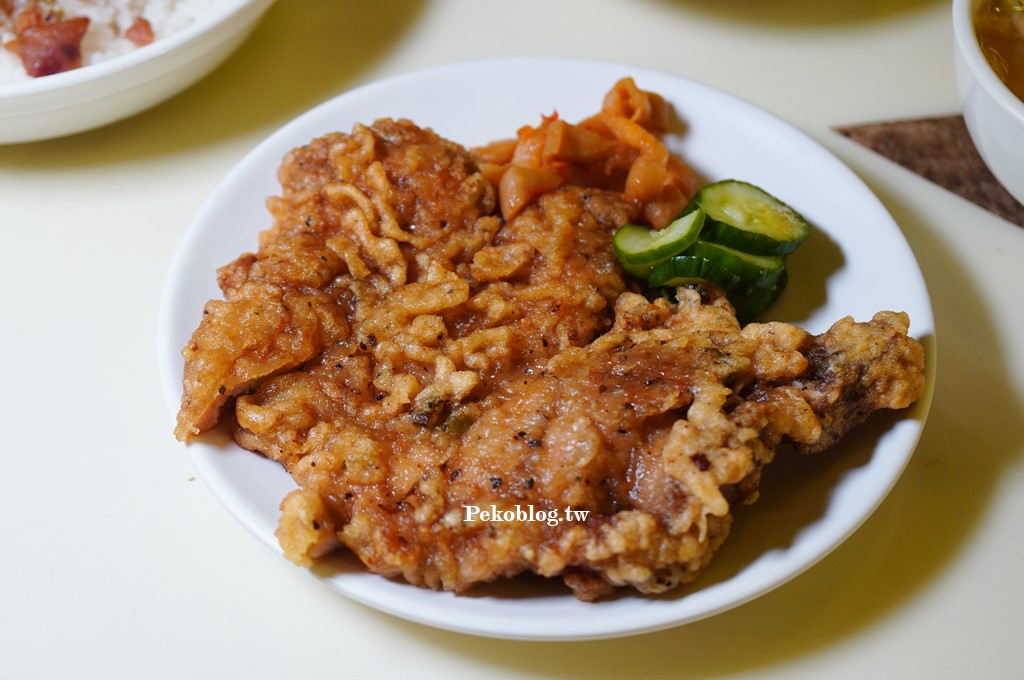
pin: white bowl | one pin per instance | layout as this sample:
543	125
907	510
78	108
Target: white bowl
994	115
95	95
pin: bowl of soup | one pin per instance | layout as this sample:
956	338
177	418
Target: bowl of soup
989	38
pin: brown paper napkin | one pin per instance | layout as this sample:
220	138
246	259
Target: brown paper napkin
940	150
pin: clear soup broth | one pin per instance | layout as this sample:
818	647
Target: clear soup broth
999	26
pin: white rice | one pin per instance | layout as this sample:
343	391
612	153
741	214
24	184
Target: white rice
108	21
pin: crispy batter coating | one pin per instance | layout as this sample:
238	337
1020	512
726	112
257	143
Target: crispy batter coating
409	357
349	205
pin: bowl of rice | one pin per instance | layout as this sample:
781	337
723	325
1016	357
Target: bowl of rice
68	66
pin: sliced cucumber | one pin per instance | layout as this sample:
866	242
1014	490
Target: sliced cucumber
760	271
685	269
733	235
640	271
743	216
676	270
748	301
758	300
637	246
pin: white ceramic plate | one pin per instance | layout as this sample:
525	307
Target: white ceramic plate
856	263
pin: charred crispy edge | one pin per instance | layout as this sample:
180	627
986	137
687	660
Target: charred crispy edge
844	391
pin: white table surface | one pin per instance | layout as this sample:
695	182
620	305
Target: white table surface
116	562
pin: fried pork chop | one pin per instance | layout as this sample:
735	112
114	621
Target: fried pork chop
407	355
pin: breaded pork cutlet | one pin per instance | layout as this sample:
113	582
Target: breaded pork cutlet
436	377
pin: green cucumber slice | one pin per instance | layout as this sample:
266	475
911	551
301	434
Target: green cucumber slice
748	218
758	300
687	268
637	245
748	301
759	271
